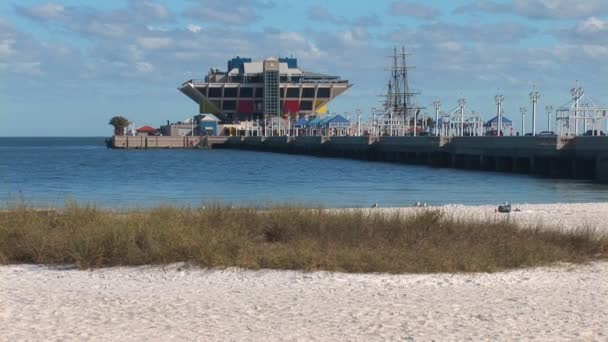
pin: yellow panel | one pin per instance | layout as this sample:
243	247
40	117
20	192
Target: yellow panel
320	107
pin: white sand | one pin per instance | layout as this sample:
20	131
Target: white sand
178	303
566	216
155	304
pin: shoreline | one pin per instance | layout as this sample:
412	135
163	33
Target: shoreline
557	215
554	215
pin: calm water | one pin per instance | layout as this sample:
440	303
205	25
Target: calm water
49	171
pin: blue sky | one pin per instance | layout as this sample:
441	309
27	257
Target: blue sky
66	67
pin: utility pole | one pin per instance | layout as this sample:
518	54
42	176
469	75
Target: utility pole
358	122
437	105
461	104
549	109
523	111
499	101
534	97
577	93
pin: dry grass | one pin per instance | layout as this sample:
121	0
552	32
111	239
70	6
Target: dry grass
284	238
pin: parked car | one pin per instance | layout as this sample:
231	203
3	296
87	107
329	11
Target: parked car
546	134
594	133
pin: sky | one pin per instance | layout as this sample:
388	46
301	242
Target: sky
67	67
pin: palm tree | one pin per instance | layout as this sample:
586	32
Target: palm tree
119	123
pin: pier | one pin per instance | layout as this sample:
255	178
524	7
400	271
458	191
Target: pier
556	157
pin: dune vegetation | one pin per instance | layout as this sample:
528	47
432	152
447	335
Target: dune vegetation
284	238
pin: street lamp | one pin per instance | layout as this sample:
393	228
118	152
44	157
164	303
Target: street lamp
499	101
549	109
437	105
523	111
534	97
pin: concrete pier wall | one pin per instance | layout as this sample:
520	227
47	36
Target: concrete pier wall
155	142
558	157
164	142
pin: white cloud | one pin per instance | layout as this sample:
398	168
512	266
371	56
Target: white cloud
592	25
152	43
194	28
539	9
558	9
450	46
6	47
322	14
22	68
106	29
235	12
150	9
48	11
413	10
144	67
598	52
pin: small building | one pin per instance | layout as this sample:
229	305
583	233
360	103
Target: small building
335	125
300	125
146	130
207	124
491	126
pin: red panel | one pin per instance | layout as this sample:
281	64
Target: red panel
291	106
246	106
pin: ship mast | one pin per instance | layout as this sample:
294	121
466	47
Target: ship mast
399	104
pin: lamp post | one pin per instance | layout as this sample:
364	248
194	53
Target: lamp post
499	101
437	105
523	111
358	123
549	109
534	97
577	93
461	104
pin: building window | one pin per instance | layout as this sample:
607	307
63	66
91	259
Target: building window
293	92
255	79
229	105
230	92
306	105
308	93
215	92
323	93
259	92
246	92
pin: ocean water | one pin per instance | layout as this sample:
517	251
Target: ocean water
50	171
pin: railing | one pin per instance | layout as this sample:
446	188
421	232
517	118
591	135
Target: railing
302	81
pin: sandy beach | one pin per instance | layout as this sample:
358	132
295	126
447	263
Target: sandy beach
559	215
179	302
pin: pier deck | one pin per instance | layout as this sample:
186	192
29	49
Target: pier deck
557	157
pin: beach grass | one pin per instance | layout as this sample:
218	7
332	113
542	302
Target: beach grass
285	238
